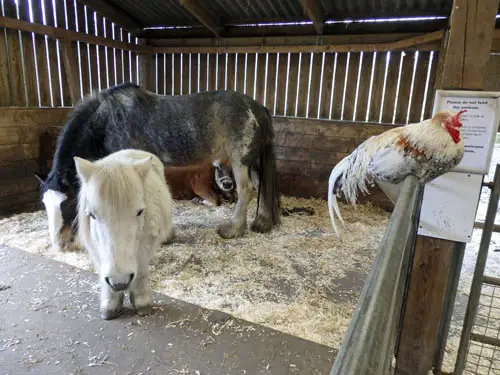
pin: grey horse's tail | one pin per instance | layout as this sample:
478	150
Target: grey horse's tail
268	192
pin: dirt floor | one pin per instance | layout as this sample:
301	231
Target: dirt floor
50	325
298	279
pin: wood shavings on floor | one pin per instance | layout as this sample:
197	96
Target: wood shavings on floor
299	279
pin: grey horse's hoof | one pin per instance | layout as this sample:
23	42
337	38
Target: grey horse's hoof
261	224
228	231
145	310
109	314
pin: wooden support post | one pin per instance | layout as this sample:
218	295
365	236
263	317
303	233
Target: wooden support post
462	66
315	12
71	70
196	8
146	69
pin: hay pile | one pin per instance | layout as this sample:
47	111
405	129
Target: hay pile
297	279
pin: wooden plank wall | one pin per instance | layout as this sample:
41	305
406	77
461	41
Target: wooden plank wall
380	87
308	149
306	152
361	89
32	72
25	134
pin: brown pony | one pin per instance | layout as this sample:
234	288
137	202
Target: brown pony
210	181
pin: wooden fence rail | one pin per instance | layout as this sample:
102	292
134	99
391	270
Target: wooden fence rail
368	347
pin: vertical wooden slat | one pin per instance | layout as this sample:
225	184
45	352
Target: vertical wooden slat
58	21
292	71
324	103
419	86
176	74
432	80
373	65
378	87
203	72
301	85
404	88
271	82
29	58
259	77
250	75
391	85
15	61
5	98
230	71
185	74
282	84
350	92
44	84
69	53
364	86
100	52
333	87
240	77
53	63
338	93
315	86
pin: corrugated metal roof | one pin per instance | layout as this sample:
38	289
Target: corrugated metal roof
232	11
347	9
156	12
149	13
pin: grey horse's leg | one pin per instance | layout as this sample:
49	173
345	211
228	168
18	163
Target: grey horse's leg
237	225
111	302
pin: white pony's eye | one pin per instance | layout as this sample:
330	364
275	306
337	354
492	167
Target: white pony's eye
139	213
91	215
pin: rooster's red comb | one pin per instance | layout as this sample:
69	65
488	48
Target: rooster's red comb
455	120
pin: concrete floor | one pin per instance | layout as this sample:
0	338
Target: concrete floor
49	324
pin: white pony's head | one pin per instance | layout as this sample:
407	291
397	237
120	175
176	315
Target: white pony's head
111	211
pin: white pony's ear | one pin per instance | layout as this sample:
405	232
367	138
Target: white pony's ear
143	166
84	168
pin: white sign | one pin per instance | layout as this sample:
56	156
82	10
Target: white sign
449	206
450	202
480	124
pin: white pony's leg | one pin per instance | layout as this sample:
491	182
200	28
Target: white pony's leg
237	225
111	302
141	294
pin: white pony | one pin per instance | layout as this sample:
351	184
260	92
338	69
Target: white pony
124	214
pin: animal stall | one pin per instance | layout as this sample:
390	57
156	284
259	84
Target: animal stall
329	75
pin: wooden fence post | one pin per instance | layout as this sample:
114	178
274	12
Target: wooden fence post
462	66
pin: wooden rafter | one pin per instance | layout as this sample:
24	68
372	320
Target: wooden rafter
315	12
63	34
196	8
116	15
426	41
421	40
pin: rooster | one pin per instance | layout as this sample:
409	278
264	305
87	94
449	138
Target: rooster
427	150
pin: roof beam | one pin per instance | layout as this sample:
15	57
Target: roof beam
315	12
196	8
113	13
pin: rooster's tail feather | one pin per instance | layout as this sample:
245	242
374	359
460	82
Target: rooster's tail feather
333	206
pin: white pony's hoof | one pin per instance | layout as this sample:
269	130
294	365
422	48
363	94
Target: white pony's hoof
109	314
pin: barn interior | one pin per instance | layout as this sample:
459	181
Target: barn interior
332	73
